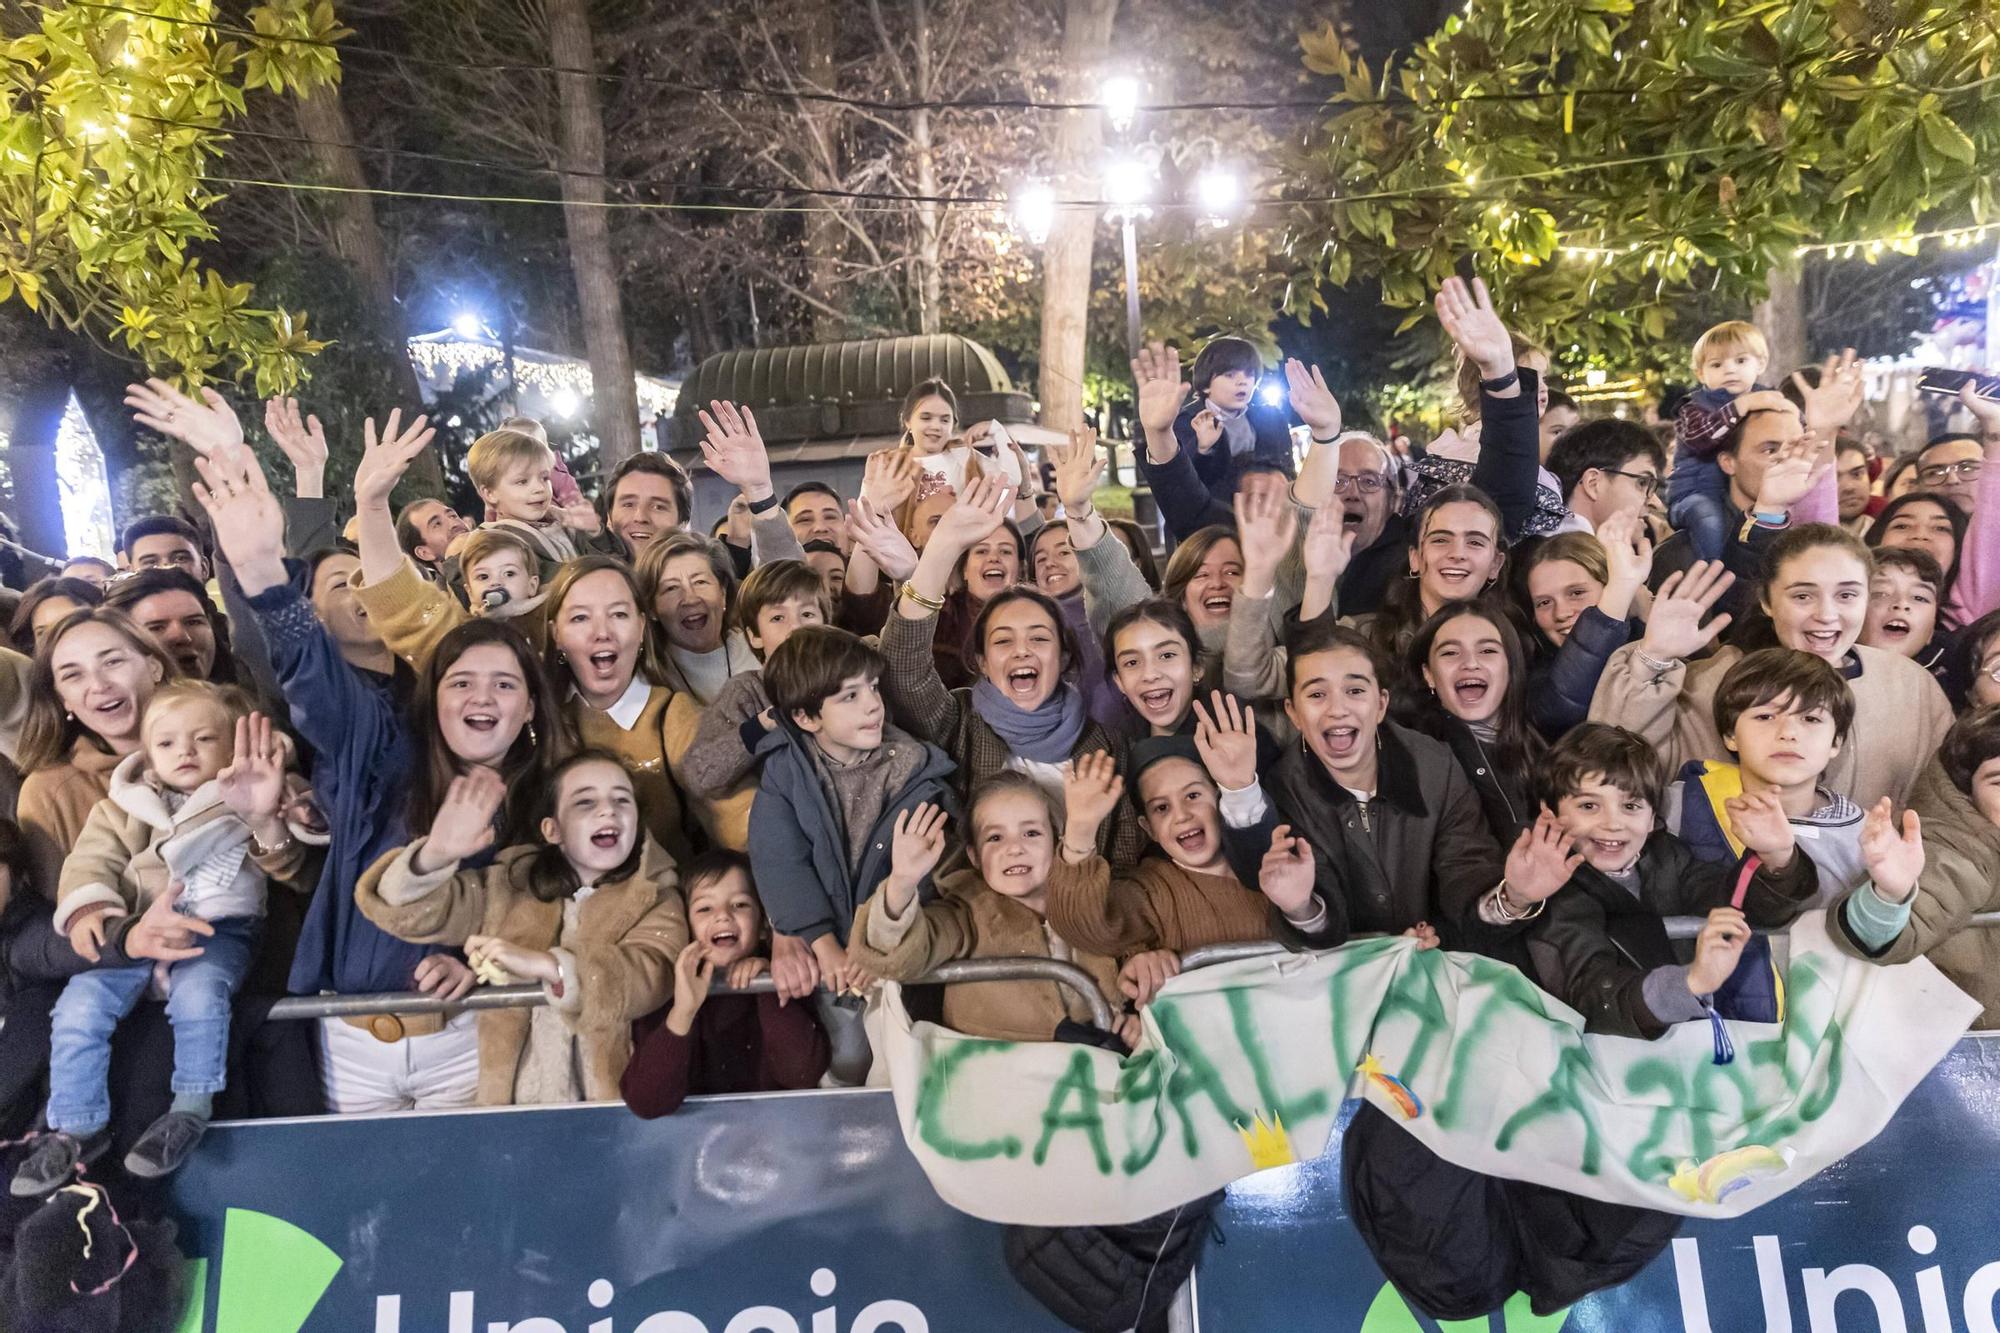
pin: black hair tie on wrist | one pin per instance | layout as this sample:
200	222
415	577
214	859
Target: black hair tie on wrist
1507	381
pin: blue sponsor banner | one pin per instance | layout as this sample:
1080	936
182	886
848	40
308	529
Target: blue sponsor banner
1901	1237
803	1213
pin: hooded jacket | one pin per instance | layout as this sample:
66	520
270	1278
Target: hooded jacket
134	845
617	967
805	870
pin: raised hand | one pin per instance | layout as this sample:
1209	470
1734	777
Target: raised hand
1675	632
874	532
1794	470
1717	950
1079	469
981	508
248	521
1266	522
303	442
1469	319
1312	400
464	823
1286	876
1091	789
387	456
1540	861
1628	550
1162	391
1144	973
889	477
580	515
694	974
1207	429
918	845
1328	545
1225	735
734	449
253	785
207	427
1758	820
1984	410
1832	402
1895	860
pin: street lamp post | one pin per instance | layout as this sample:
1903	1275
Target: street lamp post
1127	185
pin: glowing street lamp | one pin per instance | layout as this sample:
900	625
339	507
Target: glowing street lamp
566	402
467	325
1034	210
1119	96
1128	184
1218	192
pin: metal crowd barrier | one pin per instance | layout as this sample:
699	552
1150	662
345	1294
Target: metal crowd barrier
516	997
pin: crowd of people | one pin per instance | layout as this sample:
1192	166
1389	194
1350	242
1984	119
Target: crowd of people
1525	692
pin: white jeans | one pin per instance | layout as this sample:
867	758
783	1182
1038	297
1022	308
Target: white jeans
434	1073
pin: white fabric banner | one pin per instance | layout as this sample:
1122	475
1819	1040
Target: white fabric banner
1244	1066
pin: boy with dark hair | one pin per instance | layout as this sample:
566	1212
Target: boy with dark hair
836	774
1905	591
1607	467
1222	426
1784	714
1928	878
815	511
163	540
1599	943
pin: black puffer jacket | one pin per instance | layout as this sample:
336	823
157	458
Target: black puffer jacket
1109	1279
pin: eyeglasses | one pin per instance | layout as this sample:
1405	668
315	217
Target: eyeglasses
1648	482
1990	669
1966	469
1358	483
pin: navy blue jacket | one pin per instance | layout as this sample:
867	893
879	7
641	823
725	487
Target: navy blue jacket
798	855
1217	468
1561	683
364	758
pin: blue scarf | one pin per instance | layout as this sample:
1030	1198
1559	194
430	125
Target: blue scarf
1046	735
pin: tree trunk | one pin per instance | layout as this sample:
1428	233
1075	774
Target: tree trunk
930	277
1781	316
1066	257
825	238
31	464
357	239
614	405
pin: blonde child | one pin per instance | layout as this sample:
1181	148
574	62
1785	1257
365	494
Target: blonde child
513	472
593	912
194	812
1729	360
706	1044
996	909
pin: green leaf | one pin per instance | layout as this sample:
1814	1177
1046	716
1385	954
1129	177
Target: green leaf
1948	139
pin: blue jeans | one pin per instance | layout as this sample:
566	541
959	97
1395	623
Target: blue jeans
198	996
1698	502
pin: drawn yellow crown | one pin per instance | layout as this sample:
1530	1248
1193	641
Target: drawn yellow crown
1268	1143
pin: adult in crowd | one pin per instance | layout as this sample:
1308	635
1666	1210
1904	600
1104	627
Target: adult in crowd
163	541
176	610
45	603
647	496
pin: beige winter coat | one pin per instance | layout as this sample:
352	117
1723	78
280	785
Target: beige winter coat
618	966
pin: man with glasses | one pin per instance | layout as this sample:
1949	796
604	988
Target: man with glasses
1606	467
1364	486
1951	465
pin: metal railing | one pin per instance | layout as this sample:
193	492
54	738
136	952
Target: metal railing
521	997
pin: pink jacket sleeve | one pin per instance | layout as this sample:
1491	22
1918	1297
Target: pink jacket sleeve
1977	590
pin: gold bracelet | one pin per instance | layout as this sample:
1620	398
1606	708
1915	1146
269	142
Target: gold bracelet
930	604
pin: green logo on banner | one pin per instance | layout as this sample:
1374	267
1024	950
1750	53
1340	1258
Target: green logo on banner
1388	1314
273	1274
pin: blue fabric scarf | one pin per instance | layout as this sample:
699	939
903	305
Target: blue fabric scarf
1046	735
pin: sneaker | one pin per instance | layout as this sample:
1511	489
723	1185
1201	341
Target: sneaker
55	1161
165	1145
